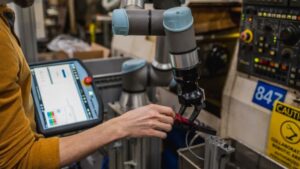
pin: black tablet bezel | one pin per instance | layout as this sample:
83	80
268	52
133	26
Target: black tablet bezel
61	130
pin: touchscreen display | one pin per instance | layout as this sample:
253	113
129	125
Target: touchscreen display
60	95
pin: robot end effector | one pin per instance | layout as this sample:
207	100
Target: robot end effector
180	35
177	26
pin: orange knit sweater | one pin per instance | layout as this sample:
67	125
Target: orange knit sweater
20	146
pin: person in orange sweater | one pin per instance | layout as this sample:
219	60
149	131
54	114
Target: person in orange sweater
21	147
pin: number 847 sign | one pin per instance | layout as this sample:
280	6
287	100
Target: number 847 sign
265	95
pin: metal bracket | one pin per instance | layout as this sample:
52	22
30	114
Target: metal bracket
217	153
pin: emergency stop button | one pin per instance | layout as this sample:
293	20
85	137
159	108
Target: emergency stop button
88	80
247	36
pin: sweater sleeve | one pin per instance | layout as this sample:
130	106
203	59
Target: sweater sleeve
19	146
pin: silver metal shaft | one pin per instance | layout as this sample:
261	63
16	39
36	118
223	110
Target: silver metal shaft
133	4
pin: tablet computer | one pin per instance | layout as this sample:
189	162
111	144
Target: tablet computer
65	97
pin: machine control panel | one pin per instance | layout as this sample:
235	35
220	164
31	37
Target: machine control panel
270	41
65	97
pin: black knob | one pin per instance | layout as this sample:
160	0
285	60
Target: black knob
290	35
286	53
217	59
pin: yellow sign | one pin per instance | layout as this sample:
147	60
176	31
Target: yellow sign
284	135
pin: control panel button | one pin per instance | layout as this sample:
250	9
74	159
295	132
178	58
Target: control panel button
91	93
273	70
283	16
250	19
267	45
260	14
293	76
292	82
264	68
88	80
294	17
247	36
272	53
261	38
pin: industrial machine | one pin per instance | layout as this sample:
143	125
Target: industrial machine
265	69
268	53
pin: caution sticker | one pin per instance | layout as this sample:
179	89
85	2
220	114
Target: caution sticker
284	135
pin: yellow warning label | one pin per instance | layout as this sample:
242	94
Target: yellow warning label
284	135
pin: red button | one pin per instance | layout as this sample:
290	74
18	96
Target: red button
88	80
264	62
272	64
284	67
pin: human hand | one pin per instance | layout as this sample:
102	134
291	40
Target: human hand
149	121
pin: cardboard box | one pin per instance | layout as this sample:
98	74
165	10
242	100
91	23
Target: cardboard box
97	51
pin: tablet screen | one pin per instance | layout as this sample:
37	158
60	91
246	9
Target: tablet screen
61	96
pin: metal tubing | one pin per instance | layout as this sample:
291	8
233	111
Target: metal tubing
162	59
181	42
133	4
184	61
145	22
161	70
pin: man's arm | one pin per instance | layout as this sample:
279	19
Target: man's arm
152	121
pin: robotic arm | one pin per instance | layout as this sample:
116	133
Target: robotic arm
176	24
